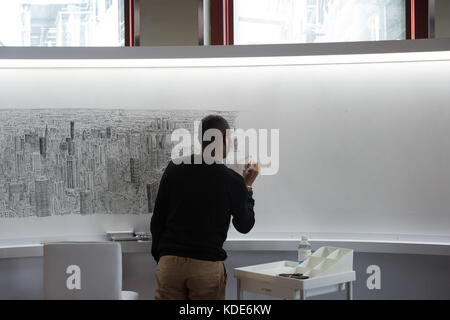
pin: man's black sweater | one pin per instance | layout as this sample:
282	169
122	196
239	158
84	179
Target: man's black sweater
193	209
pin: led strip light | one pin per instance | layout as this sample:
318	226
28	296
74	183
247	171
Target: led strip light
227	62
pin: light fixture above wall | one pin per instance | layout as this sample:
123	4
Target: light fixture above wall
229	56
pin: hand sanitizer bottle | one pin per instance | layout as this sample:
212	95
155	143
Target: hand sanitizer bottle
304	249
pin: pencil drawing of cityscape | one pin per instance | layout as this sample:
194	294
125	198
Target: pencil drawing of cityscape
86	161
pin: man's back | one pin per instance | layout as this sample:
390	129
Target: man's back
193	210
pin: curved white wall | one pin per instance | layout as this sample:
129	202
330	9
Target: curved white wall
364	148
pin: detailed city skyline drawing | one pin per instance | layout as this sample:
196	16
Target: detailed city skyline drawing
86	161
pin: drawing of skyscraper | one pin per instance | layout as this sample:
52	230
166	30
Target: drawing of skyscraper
152	191
72	130
18	145
19	163
42	197
111	174
42	147
70	173
86	205
149	198
36	163
90	181
134	170
14	193
33	140
70	146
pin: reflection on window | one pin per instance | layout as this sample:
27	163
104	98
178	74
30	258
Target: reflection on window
306	21
49	23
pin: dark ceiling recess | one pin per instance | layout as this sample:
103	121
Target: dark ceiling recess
416	19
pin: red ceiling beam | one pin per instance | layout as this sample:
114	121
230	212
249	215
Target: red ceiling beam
129	23
221	19
416	19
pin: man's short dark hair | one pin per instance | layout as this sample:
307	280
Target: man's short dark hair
214	122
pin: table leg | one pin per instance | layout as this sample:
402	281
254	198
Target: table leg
302	295
349	286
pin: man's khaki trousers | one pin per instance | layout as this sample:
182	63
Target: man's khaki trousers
179	278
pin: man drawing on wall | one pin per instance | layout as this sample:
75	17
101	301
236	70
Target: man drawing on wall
195	203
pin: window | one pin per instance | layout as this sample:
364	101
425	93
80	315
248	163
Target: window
50	23
306	21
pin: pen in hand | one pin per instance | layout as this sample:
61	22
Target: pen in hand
250	173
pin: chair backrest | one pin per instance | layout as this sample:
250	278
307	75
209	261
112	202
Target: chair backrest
82	270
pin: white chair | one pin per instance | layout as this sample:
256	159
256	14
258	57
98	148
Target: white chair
84	270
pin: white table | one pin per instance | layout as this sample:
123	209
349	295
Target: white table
264	279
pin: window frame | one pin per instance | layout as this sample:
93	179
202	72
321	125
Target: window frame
222	24
416	11
129	22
